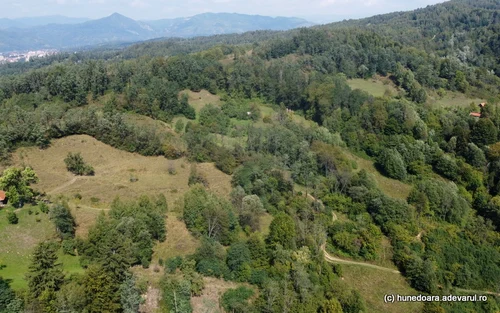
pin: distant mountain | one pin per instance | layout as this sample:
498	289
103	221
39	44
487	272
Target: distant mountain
116	28
53	19
7	23
26	22
223	23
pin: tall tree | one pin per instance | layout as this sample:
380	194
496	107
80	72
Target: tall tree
63	220
45	276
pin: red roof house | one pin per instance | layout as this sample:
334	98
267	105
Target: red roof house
3	198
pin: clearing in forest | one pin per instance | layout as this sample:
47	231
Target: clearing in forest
454	99
373	284
391	187
376	86
201	98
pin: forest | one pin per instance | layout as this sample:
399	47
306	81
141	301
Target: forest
444	234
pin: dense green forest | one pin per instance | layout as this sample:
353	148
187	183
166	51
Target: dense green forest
444	234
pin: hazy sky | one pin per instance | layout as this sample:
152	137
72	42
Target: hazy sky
318	10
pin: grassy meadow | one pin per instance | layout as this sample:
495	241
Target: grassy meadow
19	240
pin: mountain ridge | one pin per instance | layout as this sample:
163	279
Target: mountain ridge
117	28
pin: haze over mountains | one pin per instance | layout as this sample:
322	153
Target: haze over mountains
58	32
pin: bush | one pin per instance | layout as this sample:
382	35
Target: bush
236	300
392	164
12	217
76	165
197	178
68	247
44	208
214	119
179	126
172	264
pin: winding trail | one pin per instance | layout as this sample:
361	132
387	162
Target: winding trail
333	259
65	185
478	292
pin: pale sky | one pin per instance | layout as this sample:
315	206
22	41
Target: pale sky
314	10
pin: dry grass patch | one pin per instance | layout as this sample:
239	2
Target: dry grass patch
373	285
145	121
201	98
265	223
114	170
208	302
179	240
85	217
115	173
218	182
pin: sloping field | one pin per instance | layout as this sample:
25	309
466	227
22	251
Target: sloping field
373	285
374	86
115	172
391	187
201	98
454	99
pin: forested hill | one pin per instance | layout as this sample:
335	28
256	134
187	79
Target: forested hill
443	28
395	171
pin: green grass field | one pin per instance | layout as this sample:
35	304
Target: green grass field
454	99
391	187
373	86
373	285
18	242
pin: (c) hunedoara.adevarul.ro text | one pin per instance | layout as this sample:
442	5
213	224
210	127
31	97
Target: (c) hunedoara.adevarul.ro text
392	298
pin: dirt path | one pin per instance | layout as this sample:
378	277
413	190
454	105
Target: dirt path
65	185
83	206
478	292
333	259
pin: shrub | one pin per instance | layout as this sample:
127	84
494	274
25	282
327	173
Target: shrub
133	179
179	126
76	165
44	208
236	300
172	264
214	119
68	246
392	164
12	217
197	178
